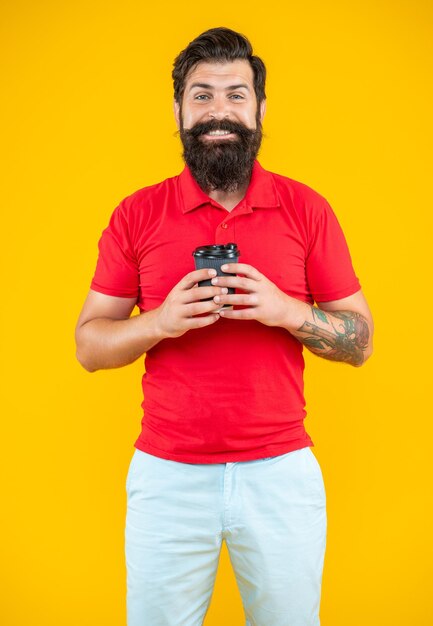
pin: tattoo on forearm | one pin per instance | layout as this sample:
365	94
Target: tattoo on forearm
345	341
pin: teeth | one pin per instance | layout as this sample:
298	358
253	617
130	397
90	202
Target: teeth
219	132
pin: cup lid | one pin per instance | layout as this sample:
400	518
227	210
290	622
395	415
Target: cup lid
218	251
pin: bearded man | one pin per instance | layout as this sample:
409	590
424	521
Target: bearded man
223	454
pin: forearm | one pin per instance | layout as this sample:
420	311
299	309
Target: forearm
343	336
107	343
108	337
336	334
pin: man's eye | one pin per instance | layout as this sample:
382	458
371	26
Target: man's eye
236	96
201	96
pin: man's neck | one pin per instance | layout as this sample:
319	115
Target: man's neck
229	199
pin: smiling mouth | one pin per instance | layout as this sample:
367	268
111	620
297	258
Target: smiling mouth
219	134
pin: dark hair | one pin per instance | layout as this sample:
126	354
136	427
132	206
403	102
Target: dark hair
213	46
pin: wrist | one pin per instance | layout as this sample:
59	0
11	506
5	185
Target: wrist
297	312
154	326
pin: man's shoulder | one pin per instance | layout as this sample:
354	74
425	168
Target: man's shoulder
148	194
296	188
297	195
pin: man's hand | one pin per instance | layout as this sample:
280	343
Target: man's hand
182	310
263	300
341	330
108	337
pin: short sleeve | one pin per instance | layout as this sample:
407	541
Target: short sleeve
116	271
329	268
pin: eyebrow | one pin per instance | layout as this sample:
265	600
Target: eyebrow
230	88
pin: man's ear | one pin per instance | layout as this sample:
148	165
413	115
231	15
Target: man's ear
262	110
176	109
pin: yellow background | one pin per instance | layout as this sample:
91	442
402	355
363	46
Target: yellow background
87	118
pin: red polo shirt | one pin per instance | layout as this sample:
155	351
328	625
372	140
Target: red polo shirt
232	391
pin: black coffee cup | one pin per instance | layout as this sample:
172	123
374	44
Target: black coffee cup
213	257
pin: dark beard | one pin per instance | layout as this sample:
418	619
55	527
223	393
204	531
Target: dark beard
225	165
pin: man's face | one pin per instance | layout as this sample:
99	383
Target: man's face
220	124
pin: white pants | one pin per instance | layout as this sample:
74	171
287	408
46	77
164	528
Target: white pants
272	515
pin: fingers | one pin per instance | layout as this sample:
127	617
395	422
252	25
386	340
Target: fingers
194	277
201	293
206	320
241	282
242	268
247	299
238	314
190	306
237	282
199	308
200	321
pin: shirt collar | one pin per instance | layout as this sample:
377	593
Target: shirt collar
261	192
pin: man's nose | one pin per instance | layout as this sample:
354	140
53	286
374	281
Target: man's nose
220	109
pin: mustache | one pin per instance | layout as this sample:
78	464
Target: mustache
233	127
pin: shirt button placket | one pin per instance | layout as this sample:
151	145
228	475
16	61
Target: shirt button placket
223	229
